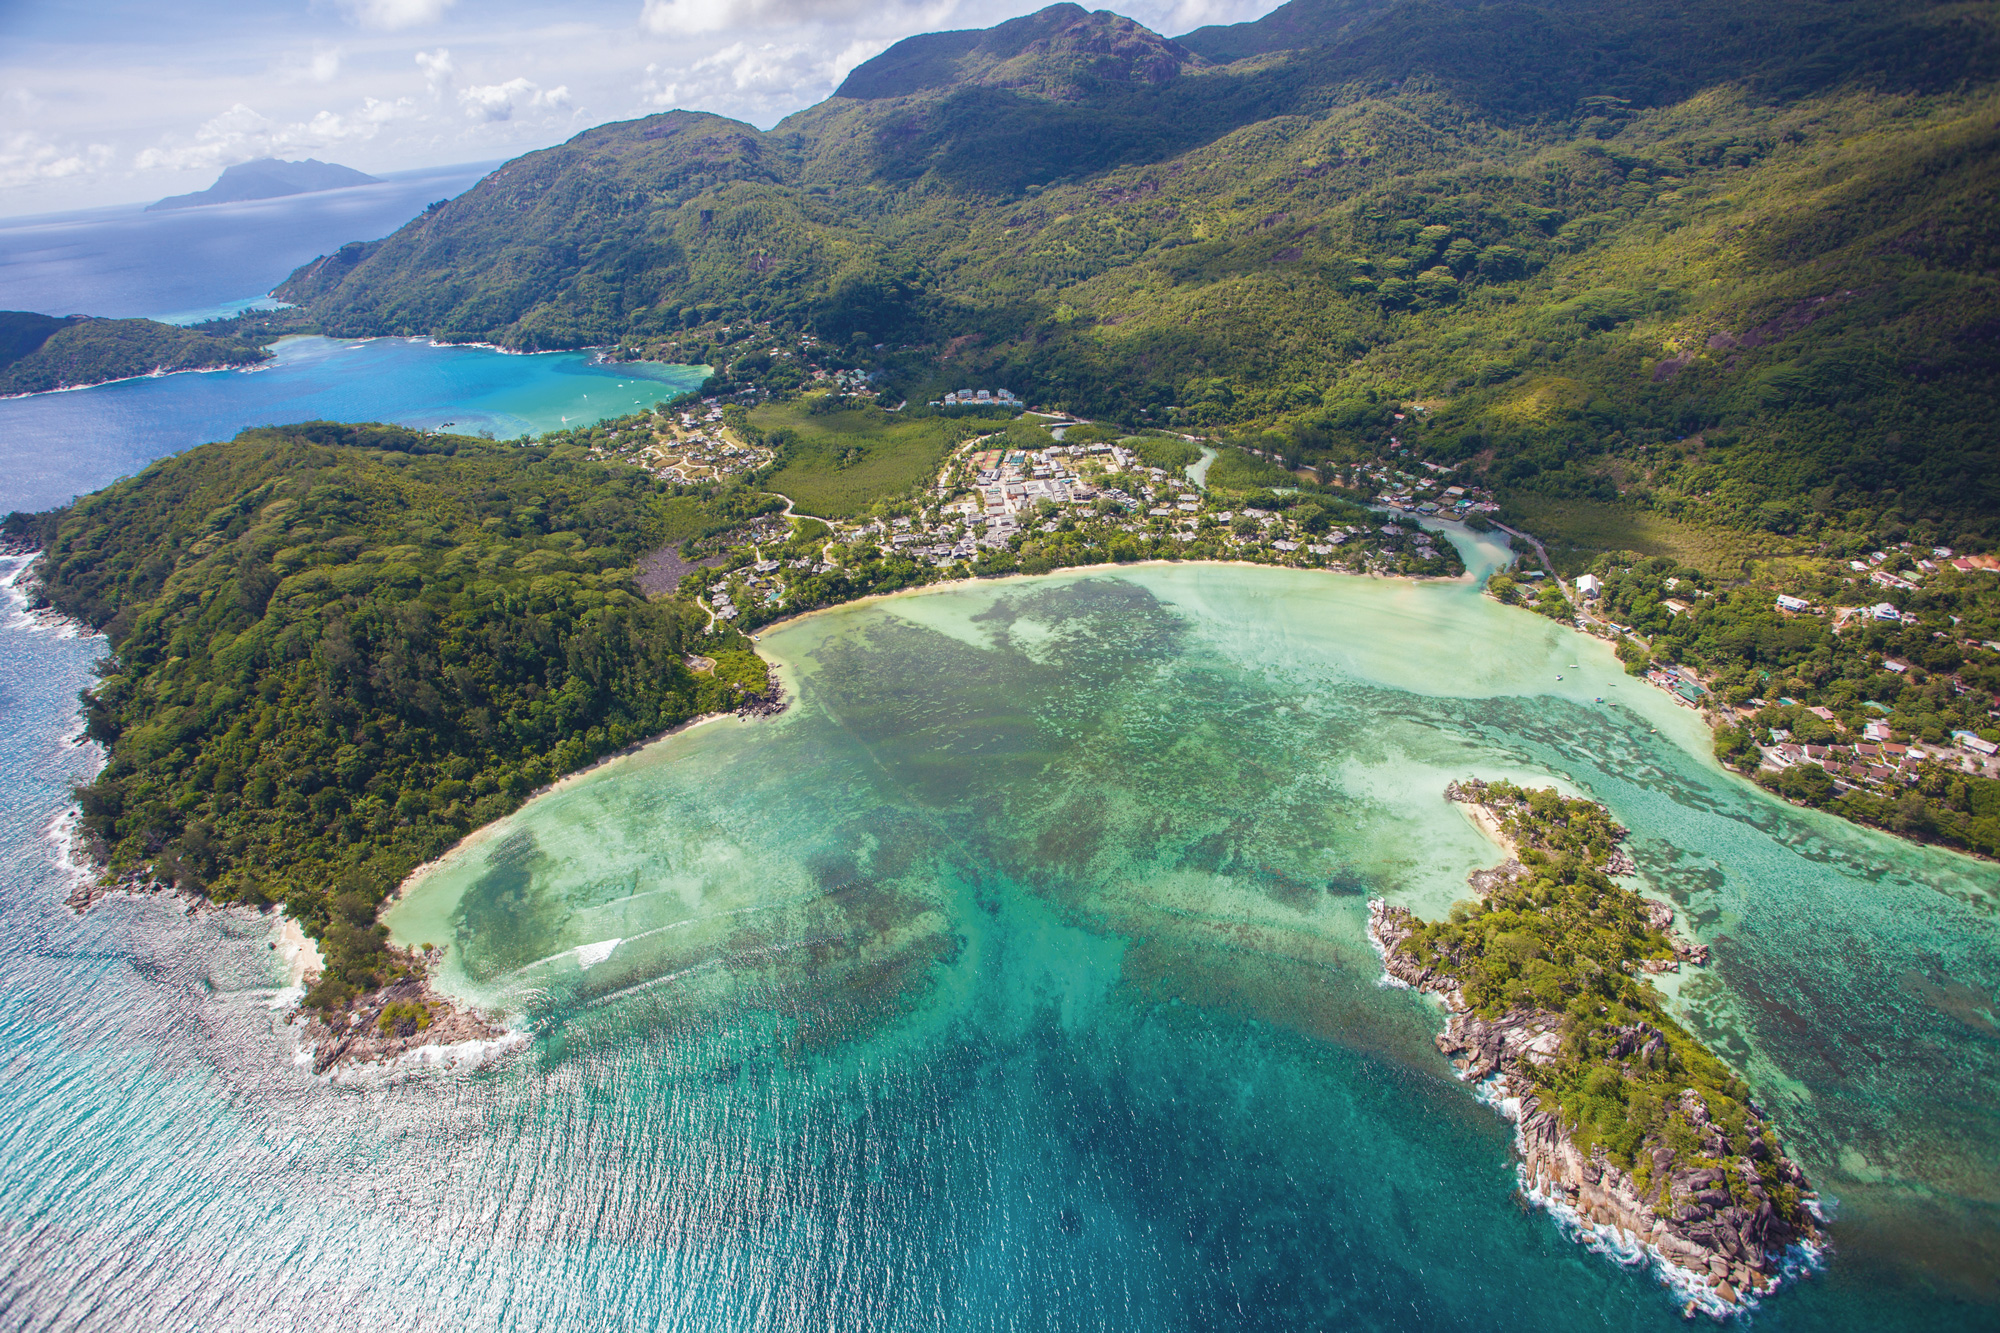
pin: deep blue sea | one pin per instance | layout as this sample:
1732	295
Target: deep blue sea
190	264
1012	980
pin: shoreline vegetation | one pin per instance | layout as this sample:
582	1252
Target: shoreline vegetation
46	354
1627	1127
337	649
1868	687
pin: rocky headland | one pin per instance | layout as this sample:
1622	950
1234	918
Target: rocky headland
1626	1125
400	1019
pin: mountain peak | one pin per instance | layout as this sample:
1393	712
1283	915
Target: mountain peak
1057	52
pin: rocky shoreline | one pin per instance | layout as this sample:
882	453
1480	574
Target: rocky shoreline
403	1018
1703	1203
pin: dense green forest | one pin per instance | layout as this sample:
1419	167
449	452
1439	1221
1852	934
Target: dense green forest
1716	264
336	649
42	352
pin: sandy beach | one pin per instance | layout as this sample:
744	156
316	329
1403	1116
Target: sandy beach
1488	823
297	951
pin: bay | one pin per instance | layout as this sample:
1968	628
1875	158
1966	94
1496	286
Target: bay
1013	979
57	445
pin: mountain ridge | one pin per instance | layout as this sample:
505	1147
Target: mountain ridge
1523	213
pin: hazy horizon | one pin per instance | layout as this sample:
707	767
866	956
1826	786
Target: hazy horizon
132	103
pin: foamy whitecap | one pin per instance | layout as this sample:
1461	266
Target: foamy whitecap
590	955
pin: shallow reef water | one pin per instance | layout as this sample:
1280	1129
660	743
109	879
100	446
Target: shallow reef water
1014	978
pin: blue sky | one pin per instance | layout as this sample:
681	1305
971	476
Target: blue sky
113	102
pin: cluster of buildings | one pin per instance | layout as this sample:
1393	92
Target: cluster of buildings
1420	494
696	448
1874	762
987	497
847	381
979	398
760	581
1682	686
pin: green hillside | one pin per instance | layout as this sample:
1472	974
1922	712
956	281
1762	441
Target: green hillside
42	352
1724	264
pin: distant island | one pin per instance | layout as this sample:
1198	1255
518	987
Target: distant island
42	353
269	178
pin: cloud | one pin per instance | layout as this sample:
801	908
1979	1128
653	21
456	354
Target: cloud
1182	16
26	157
322	66
673	18
499	101
394	14
242	133
438	69
751	77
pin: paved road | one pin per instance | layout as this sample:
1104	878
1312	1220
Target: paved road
1547	563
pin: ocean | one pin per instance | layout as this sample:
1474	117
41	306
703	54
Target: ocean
197	263
186	265
1013	979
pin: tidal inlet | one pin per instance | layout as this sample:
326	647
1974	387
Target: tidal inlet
1022	966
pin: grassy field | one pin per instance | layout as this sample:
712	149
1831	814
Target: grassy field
1575	531
843	462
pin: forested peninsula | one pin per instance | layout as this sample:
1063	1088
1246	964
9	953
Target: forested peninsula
336	649
1626	1121
41	353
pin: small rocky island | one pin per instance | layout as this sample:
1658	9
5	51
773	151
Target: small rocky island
1626	1123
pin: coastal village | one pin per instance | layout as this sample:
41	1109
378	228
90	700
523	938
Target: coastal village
1872	754
1002	500
991	497
694	446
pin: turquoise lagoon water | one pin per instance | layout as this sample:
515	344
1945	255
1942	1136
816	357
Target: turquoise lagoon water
1013	979
53	446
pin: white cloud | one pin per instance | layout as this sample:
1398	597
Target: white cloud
499	101
438	69
673	18
394	14
1175	17
26	157
241	134
322	66
748	78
